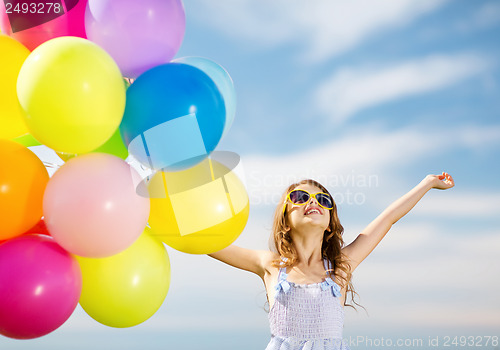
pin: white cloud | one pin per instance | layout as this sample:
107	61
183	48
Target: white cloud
325	28
486	16
350	90
423	276
462	204
425	257
426	314
360	156
338	26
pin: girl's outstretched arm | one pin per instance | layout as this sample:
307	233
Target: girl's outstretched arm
250	260
371	236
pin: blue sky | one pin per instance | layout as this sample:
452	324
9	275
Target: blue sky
368	97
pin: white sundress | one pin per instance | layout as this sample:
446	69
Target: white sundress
306	316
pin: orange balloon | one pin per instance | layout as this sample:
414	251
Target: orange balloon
23	178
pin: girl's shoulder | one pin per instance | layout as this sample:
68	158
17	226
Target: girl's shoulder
269	256
268	259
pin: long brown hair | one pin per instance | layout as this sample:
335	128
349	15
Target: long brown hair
333	242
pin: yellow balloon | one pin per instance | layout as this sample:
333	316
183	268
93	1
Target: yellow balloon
73	94
12	56
199	210
126	289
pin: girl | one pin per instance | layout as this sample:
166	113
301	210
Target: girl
308	273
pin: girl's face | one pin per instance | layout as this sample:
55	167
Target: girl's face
310	214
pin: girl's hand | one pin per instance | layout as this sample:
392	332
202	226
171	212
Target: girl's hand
441	182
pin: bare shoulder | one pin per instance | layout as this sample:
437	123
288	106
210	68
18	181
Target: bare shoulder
267	260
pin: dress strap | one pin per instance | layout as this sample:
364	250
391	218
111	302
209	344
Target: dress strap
327	264
283	284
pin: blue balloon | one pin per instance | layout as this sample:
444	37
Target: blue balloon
174	117
223	81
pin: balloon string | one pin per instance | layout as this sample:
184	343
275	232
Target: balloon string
51	165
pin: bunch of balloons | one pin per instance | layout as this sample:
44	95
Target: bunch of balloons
92	232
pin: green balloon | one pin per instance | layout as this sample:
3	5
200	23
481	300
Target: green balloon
114	146
26	140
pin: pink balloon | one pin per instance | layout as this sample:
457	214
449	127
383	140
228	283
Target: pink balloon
40	285
47	22
91	207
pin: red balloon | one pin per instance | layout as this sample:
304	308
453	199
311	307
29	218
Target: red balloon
39	228
40	285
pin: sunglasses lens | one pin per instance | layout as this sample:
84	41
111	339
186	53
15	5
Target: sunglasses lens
325	200
299	197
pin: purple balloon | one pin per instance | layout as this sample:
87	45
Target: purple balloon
40	285
138	35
